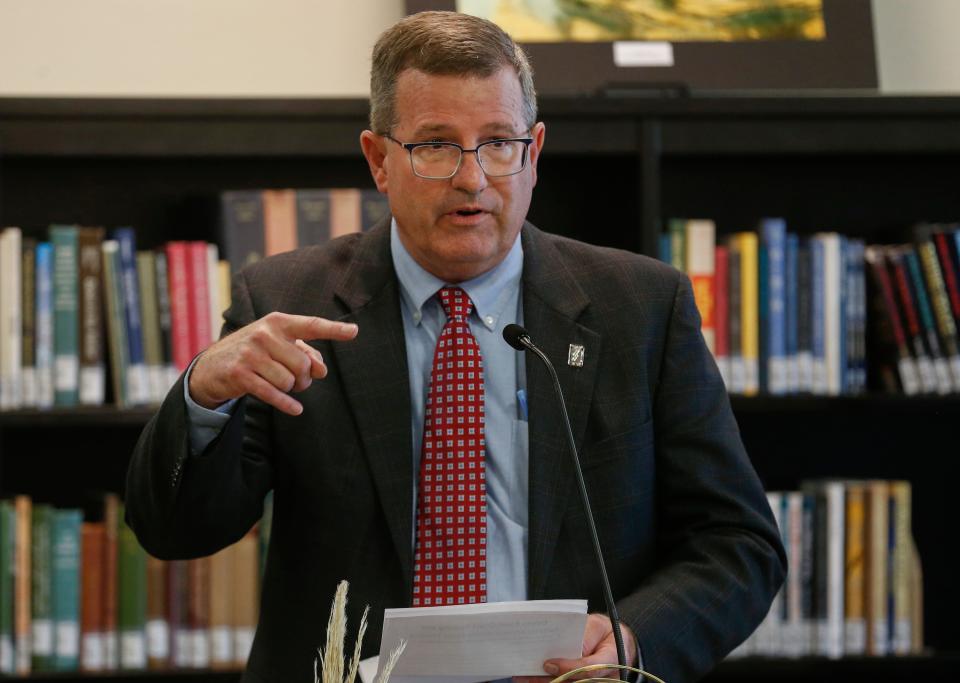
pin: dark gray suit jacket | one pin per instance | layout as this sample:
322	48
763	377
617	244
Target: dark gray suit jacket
693	552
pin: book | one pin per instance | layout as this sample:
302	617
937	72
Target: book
241	227
700	238
279	221
877	550
131	598
66	588
92	578
8	532
940	364
137	389
722	311
11	332
116	325
773	237
92	391
170	371
912	328
66	322
22	579
110	590
44	325
41	588
747	247
150	323
157	621
901	564
940	302
28	312
894	360
855	622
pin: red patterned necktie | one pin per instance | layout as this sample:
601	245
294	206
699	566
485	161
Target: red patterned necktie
450	565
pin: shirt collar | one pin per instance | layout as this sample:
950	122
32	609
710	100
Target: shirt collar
489	292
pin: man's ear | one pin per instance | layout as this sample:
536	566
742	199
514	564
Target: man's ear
537	133
374	149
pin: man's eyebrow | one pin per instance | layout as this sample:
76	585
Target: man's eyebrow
506	130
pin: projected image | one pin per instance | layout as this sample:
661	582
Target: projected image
534	21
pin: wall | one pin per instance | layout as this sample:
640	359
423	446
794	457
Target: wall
315	48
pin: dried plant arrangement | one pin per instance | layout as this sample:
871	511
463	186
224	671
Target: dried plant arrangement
328	665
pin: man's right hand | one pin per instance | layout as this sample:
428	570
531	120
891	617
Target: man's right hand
268	359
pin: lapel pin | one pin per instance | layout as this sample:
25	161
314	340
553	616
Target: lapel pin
575	356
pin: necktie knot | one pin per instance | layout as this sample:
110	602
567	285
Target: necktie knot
456	304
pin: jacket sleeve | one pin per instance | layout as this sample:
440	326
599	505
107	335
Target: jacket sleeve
722	560
182	506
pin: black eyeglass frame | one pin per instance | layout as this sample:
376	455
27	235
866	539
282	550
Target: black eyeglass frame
410	146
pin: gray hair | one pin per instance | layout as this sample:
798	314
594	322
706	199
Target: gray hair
443	43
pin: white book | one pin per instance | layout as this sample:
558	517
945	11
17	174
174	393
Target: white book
11	330
836	559
833	281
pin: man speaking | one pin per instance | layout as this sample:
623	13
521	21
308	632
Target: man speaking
417	455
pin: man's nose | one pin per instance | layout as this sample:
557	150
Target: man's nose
470	176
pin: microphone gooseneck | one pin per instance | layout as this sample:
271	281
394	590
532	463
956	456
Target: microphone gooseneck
517	337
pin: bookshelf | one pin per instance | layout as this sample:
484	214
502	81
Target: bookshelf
614	169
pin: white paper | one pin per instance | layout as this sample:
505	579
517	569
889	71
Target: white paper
466	643
642	53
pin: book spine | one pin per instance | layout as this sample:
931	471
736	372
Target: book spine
701	239
137	382
773	232
7	566
818	314
242	227
92	370
749	310
166	324
116	327
157	624
313	217
66	589
150	320
855	624
22	629
28	311
907	371
198	300
940	365
941	308
676	228
791	336
804	317
877	525
11	330
222	590
92	648
737	369
280	221
66	323
179	283
374	206
132	617
41	599
111	530
345	217
900	279
44	322
722	311
900	579
941	242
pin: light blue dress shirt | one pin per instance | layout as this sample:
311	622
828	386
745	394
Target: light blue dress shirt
497	303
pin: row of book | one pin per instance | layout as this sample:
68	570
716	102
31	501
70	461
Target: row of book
86	318
854	586
786	314
79	595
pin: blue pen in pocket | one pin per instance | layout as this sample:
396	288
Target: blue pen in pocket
522	404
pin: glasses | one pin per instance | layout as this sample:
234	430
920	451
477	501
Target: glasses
441	160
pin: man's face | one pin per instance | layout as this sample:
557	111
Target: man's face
460	227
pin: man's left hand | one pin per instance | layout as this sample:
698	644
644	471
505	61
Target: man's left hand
599	647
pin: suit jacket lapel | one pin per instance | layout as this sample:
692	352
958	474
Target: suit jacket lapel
373	369
552	303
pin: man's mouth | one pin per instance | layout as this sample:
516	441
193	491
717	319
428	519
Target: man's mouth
468	212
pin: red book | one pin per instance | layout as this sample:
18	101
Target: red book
198	299
179	284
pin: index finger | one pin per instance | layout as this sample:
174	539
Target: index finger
309	327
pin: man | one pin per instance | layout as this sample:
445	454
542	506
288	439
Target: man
690	544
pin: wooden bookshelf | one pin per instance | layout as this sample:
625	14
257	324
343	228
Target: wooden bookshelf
613	170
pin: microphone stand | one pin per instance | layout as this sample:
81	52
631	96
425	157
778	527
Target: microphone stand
519	339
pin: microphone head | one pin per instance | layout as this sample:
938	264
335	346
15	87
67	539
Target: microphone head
515	335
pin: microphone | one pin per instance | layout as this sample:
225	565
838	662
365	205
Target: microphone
519	338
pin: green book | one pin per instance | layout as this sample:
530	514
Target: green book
132	617
66	321
41	603
116	325
66	589
7	535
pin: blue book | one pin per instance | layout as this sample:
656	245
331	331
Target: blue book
791	314
818	317
66	589
773	237
43	320
138	387
663	244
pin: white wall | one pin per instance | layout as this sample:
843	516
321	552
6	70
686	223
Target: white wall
190	47
315	48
